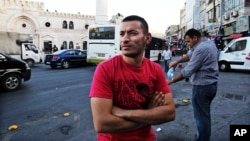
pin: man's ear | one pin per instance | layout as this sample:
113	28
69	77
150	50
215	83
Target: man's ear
195	38
148	38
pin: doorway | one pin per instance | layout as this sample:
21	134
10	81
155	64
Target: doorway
47	47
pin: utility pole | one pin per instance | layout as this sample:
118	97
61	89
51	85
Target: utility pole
214	14
221	11
221	17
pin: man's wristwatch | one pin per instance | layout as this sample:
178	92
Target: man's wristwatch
172	80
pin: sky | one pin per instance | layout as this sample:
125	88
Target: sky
158	13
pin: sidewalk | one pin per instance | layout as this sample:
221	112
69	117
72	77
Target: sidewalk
230	106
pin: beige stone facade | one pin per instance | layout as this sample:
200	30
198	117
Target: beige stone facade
46	28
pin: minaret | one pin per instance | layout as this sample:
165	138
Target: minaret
101	11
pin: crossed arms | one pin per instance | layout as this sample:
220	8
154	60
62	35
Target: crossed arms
112	119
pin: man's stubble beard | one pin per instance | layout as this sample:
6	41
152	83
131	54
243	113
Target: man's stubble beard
137	53
134	54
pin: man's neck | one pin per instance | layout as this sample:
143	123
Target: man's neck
134	61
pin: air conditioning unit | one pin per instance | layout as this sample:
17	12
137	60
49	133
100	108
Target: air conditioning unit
234	13
226	16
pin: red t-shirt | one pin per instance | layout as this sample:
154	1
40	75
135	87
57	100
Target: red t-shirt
130	87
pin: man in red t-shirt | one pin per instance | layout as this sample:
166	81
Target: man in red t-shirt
129	93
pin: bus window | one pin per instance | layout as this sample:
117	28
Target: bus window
154	49
103	42
102	33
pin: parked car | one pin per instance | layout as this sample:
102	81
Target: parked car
235	55
12	72
66	58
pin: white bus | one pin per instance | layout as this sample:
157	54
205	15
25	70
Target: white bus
155	49
103	42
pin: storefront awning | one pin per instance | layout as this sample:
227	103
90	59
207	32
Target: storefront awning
235	36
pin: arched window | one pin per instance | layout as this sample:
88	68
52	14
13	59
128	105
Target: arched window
71	45
65	26
85	45
71	25
64	45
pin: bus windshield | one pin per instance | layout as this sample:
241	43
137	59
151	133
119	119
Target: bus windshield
155	49
102	33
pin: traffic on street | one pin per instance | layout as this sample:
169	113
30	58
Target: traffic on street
54	105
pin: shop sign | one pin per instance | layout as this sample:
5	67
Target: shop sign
235	36
242	23
228	30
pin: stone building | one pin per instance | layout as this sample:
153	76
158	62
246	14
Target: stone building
46	28
172	34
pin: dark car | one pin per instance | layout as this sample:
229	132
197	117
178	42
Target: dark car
12	72
66	58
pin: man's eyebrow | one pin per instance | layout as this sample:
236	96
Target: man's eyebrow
128	31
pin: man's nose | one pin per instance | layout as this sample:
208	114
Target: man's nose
124	38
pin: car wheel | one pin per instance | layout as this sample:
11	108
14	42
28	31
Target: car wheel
65	64
53	66
30	63
224	66
11	82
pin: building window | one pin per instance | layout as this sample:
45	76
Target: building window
71	45
65	26
210	1
47	24
64	45
86	26
71	25
24	25
85	45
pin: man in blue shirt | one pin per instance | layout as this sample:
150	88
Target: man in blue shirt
202	71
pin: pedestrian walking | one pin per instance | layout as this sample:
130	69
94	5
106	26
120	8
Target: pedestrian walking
55	48
202	71
166	56
129	93
173	49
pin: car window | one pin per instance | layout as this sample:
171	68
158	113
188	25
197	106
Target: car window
242	45
2	57
27	47
83	54
238	46
71	52
78	52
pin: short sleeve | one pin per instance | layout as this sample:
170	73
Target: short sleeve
101	83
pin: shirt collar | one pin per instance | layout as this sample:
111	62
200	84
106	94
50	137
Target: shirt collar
198	43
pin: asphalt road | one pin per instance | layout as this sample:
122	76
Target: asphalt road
38	107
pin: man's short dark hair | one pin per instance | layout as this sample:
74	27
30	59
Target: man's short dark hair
205	34
192	32
143	22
